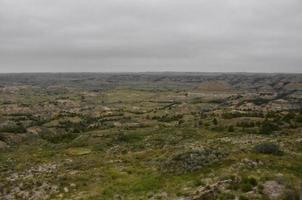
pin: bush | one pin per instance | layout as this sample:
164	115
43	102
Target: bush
246	124
267	148
290	194
231	129
245	187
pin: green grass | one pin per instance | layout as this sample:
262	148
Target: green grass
119	160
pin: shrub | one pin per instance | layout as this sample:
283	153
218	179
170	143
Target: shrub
215	122
267	128
227	196
12	127
218	128
287	118
243	197
249	180
253	181
260	101
130	137
198	182
61	138
192	160
267	148
57	136
299	118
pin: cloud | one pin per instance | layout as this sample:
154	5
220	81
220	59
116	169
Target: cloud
154	35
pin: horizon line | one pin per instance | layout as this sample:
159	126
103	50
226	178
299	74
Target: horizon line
141	72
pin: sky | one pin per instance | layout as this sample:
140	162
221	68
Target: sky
151	35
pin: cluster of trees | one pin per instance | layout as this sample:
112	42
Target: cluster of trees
168	118
260	101
231	115
72	127
57	136
265	127
13	128
247	124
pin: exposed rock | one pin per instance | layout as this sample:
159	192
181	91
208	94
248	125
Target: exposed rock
273	189
158	196
253	195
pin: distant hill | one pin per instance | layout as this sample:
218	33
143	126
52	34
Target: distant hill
215	86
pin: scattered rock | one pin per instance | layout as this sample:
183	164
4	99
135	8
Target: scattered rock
210	192
73	185
118	197
192	160
25	185
78	151
3	145
250	163
158	196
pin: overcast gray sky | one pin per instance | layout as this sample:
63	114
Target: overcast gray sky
150	35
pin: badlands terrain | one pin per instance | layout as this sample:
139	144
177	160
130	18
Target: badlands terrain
169	136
